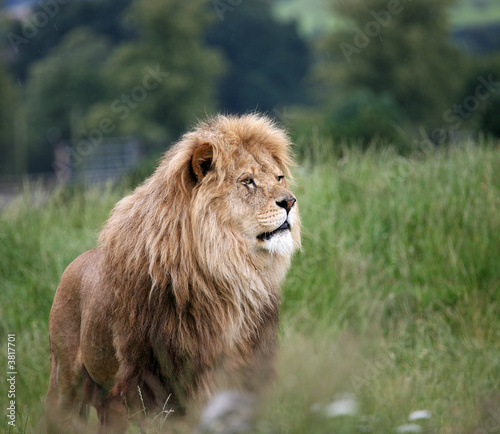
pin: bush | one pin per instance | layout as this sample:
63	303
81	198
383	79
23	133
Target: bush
363	116
489	119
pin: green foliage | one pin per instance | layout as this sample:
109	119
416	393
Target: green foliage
171	43
394	297
9	104
152	85
63	85
32	38
489	122
363	116
388	47
481	110
268	60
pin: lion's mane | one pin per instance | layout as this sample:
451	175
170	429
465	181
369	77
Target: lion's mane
179	275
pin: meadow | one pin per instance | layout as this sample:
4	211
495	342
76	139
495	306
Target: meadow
392	306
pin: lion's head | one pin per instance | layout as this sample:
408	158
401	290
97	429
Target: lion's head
240	166
216	217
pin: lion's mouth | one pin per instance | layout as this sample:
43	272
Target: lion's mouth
268	235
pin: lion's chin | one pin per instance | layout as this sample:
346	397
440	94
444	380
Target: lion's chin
280	243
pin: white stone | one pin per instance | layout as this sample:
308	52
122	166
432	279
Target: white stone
419	414
344	406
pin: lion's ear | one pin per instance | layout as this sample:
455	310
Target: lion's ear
202	161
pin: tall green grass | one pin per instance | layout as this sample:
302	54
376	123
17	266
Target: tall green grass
394	299
397	290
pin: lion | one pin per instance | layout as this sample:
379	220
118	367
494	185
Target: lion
184	284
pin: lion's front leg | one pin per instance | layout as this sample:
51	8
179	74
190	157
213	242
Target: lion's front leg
260	371
66	409
112	416
251	368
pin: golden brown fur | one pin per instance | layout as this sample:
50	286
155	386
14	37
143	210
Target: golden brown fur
185	282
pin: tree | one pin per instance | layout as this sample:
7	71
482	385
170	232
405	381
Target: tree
488	74
34	36
11	160
157	80
165	77
402	49
268	59
61	88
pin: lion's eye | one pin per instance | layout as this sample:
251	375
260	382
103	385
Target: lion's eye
280	178
248	181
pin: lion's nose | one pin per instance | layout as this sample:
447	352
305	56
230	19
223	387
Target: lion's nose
286	203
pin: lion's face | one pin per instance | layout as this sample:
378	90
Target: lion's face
252	197
265	210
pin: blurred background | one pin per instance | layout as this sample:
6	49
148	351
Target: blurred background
90	88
